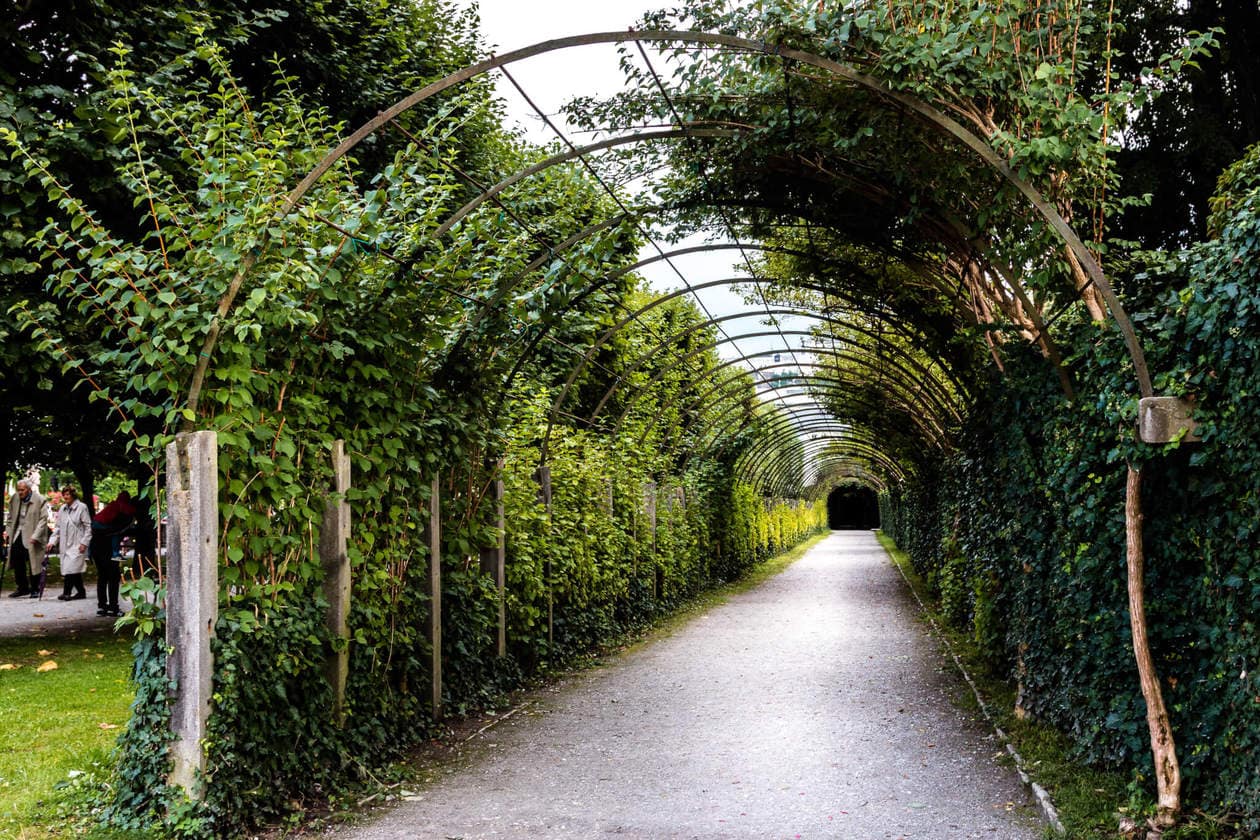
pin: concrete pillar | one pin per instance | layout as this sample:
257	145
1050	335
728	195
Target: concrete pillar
494	564
192	598
333	537
434	533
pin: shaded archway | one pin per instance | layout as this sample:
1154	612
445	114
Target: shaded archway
852	507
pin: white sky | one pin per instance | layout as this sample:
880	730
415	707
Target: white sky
554	78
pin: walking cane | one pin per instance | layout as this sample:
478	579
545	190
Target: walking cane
43	576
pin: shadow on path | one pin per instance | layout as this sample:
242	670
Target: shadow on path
812	706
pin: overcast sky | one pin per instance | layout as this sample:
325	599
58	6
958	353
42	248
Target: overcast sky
554	78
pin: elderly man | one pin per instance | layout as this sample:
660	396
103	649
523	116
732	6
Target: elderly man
27	529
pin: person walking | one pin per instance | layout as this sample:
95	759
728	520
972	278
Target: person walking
73	535
106	530
27	528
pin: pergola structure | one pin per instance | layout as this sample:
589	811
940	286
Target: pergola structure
897	338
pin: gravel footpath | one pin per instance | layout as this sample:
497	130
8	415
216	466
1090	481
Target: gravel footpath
49	617
813	706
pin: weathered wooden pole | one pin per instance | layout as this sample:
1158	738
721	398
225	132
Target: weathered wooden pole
333	538
435	594
1163	748
543	475
192	599
649	510
494	563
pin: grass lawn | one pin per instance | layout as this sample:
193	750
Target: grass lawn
56	721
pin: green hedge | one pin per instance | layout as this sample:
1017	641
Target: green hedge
1023	529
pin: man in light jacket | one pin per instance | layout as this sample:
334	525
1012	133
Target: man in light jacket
74	532
27	529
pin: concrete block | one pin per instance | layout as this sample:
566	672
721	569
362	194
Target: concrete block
1164	419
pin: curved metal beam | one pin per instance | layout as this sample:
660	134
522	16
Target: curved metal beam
931	115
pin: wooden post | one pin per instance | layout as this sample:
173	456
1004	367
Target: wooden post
333	537
1163	749
544	497
435	594
494	564
649	512
192	599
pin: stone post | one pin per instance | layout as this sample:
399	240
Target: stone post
333	537
192	598
434	533
494	564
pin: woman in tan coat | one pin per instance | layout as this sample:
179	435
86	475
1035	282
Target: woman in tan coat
74	532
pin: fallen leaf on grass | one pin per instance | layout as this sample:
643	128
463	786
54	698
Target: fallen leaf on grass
9	666
50	665
108	725
45	652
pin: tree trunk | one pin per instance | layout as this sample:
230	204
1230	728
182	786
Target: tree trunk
1164	751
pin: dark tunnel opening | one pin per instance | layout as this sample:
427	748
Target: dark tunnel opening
852	509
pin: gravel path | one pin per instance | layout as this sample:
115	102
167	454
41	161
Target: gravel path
814	706
49	617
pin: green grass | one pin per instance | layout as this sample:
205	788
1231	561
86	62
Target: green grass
1090	801
57	721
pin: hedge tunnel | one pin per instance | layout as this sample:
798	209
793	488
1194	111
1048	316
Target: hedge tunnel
888	371
899	253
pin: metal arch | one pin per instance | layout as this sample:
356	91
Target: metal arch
719	430
577	152
751	461
755	466
931	432
821	423
895	352
773	471
649	261
702	397
818	351
934	117
778	477
896	326
780	480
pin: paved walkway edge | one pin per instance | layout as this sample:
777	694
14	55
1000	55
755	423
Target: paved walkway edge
1039	793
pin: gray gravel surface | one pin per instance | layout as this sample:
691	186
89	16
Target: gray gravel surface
814	705
49	617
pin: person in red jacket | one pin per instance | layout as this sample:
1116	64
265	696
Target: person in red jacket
107	528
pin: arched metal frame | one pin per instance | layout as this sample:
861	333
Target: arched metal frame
777	470
721	427
856	348
931	116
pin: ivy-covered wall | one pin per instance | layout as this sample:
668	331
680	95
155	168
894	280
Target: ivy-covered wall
1024	526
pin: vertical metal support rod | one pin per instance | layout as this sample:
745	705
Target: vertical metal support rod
192	599
435	594
333	538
